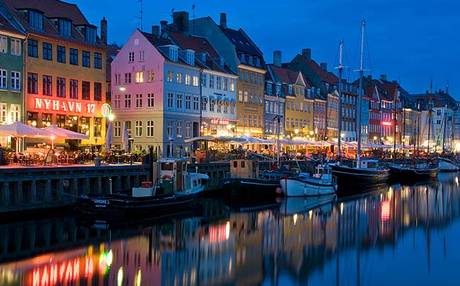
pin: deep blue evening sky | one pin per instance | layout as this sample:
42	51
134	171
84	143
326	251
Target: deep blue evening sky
412	41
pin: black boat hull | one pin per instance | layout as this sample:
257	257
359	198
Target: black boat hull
254	188
117	207
412	174
350	181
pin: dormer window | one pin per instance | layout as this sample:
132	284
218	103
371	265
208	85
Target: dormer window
35	19
173	52
190	57
90	34
65	28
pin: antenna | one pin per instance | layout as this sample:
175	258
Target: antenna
141	13
363	26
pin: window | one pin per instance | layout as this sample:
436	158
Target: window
169	128
60	87
188	102
85	59
151	76
3	79
195	103
117	101
139	77
179	101
35	20
195	81
15	80
3	44
150	128
225	84
204	79
32	83
61	58
150	100
116	128
170	100
179	128
219	82
47	85
15	47
211	81
97	91
188	129
170	76
128	126
141	56
47	51
179	77
212	103
85	90
138	100
73	56
65	27
32	48
97	126
138	128
73	89
90	34
3	112
128	77
127	100
15	112
187	79
131	57
97	60
240	96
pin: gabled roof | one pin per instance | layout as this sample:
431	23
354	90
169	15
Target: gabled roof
5	25
51	9
285	75
324	75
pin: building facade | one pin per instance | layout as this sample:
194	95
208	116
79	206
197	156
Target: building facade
155	94
65	76
275	100
11	73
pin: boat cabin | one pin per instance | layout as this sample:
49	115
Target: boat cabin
174	176
244	169
367	164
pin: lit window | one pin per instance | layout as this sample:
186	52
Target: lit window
138	128
15	80
139	77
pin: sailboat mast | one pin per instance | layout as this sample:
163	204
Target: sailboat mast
360	94
340	68
429	118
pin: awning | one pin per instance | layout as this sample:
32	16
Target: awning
19	129
62	133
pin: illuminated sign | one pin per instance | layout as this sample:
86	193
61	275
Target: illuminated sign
58	105
386	123
106	110
219	121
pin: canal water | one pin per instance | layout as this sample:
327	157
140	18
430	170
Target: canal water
392	236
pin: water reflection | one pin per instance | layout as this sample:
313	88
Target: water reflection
393	235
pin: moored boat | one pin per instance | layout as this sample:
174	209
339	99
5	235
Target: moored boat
175	190
413	171
303	185
446	165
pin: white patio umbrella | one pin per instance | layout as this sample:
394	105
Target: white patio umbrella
125	139
108	136
57	132
21	130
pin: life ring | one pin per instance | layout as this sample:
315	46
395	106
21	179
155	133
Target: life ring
166	177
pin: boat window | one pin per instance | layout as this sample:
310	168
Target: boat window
235	164
243	164
167	166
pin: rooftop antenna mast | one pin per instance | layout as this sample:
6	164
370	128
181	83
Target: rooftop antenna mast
141	13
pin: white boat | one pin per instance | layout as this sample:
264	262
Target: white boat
446	165
297	205
305	185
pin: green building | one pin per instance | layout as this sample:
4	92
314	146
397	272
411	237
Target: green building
11	72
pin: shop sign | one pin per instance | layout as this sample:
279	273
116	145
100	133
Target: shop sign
219	121
64	106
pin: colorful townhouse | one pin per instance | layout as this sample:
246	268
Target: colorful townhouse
349	112
65	76
298	108
218	82
323	91
244	58
11	72
156	94
275	100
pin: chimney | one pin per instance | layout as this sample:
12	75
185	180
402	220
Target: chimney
223	20
104	31
163	25
181	22
323	66
277	58
306	53
383	77
156	30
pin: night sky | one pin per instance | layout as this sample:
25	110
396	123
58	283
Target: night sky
412	41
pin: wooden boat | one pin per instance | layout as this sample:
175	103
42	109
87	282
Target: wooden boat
304	185
413	171
353	179
176	190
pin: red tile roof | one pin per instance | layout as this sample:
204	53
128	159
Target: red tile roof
284	75
324	75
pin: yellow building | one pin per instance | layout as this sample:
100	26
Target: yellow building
65	72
